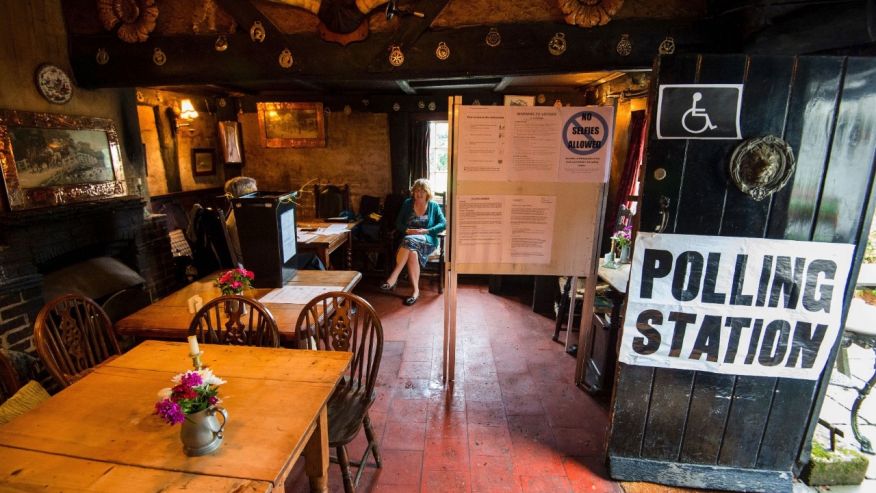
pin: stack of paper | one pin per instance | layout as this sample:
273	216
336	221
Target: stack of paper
298	295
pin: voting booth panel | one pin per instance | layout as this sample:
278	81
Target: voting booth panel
266	227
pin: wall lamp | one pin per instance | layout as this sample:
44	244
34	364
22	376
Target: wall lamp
187	113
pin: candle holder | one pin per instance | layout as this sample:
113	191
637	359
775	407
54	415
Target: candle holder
196	360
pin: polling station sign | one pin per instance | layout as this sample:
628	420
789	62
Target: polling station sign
739	306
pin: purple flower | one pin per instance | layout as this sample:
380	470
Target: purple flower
169	411
191	379
213	400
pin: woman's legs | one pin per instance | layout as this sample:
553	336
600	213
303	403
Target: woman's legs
414	271
401	258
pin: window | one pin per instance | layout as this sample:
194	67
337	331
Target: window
438	157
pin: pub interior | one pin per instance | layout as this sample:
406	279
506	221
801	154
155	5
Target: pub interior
712	165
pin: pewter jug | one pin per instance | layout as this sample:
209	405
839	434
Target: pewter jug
201	433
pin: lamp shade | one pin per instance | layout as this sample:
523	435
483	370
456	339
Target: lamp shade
187	110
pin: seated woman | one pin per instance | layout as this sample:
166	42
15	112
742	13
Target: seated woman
419	220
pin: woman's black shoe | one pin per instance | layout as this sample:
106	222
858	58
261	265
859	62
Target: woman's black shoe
410	301
387	287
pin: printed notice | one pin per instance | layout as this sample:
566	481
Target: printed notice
481	228
482	136
530	230
506	228
585	137
533	157
736	306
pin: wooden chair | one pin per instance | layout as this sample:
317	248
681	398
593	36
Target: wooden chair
435	262
73	335
330	200
8	379
235	321
338	321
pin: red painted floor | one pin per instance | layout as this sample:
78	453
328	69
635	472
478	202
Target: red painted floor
513	421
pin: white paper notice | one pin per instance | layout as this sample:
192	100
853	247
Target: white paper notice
482	136
506	228
530	230
737	306
585	139
533	155
481	222
298	295
333	229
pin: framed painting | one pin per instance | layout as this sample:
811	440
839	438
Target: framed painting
203	163
291	124
229	141
48	159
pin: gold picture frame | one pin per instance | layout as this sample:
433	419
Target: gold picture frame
291	124
48	159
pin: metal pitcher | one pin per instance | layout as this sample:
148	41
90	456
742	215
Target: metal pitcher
201	433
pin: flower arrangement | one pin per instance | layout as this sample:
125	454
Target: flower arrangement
193	391
235	281
622	237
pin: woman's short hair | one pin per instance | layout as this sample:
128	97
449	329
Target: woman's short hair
424	185
240	186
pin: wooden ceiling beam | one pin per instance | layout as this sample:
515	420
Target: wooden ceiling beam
192	59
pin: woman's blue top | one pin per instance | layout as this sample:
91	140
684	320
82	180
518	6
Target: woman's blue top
436	222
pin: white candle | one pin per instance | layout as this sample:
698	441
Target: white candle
193	345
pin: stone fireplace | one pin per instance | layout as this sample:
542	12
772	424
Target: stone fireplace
36	242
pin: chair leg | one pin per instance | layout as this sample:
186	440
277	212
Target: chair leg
369	434
441	278
344	462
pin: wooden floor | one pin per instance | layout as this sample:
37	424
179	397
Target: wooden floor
513	422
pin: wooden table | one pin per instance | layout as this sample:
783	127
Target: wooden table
276	401
324	244
169	317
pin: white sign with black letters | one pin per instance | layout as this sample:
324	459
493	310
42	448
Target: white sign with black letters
738	306
699	111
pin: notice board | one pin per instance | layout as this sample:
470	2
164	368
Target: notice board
528	188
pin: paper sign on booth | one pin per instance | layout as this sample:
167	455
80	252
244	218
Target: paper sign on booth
739	306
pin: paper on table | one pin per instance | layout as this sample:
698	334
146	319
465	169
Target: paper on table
305	237
298	295
332	229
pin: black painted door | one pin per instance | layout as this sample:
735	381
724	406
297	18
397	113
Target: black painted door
744	433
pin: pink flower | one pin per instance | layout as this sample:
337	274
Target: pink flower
236	285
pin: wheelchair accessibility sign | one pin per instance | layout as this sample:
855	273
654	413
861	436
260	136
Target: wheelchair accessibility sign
699	111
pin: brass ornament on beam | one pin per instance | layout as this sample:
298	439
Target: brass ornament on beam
221	43
285	59
557	44
257	32
493	38
396	57
624	46
102	56
762	166
667	46
442	52
158	57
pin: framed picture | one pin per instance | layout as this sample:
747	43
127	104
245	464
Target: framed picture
519	100
291	124
203	163
49	159
229	140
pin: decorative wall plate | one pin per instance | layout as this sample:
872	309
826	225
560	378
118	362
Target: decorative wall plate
54	84
624	46
762	166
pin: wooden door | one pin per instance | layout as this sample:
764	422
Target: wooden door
744	433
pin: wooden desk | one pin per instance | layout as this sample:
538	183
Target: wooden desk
616	278
276	401
169	317
324	244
